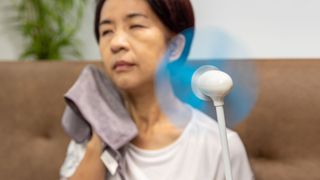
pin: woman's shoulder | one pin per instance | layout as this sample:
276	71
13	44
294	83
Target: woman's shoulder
207	124
205	128
206	133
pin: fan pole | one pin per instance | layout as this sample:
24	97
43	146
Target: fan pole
209	82
224	142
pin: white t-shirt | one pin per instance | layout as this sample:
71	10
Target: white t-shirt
195	155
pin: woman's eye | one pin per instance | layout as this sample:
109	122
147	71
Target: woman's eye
136	26
106	32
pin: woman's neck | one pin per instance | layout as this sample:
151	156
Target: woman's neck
143	107
155	129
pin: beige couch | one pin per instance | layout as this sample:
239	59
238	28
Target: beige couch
282	133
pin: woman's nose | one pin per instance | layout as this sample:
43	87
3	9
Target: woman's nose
119	42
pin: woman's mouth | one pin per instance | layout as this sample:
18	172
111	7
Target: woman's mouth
121	66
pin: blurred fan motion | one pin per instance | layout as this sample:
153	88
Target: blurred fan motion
213	47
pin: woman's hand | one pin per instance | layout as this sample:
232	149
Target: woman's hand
95	144
91	167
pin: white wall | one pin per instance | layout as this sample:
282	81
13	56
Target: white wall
9	44
90	47
266	28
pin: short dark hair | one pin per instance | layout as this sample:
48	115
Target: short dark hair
176	15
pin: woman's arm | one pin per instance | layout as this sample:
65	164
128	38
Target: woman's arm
91	167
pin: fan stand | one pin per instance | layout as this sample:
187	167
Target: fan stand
210	83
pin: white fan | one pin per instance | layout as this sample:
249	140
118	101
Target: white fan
209	82
195	82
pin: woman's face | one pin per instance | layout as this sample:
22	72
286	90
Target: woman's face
132	42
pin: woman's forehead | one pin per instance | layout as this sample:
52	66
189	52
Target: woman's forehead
126	9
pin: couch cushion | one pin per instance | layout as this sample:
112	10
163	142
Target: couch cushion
31	106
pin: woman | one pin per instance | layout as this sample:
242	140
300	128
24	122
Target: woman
133	37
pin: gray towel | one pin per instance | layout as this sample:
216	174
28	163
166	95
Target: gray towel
94	103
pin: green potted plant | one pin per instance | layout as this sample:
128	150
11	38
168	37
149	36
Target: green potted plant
49	28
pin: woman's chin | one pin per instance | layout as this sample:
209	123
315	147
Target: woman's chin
126	88
126	85
132	86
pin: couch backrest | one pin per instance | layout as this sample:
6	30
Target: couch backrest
282	129
282	132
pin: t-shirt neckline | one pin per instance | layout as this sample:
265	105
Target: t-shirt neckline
170	147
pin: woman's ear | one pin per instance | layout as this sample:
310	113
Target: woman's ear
176	47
